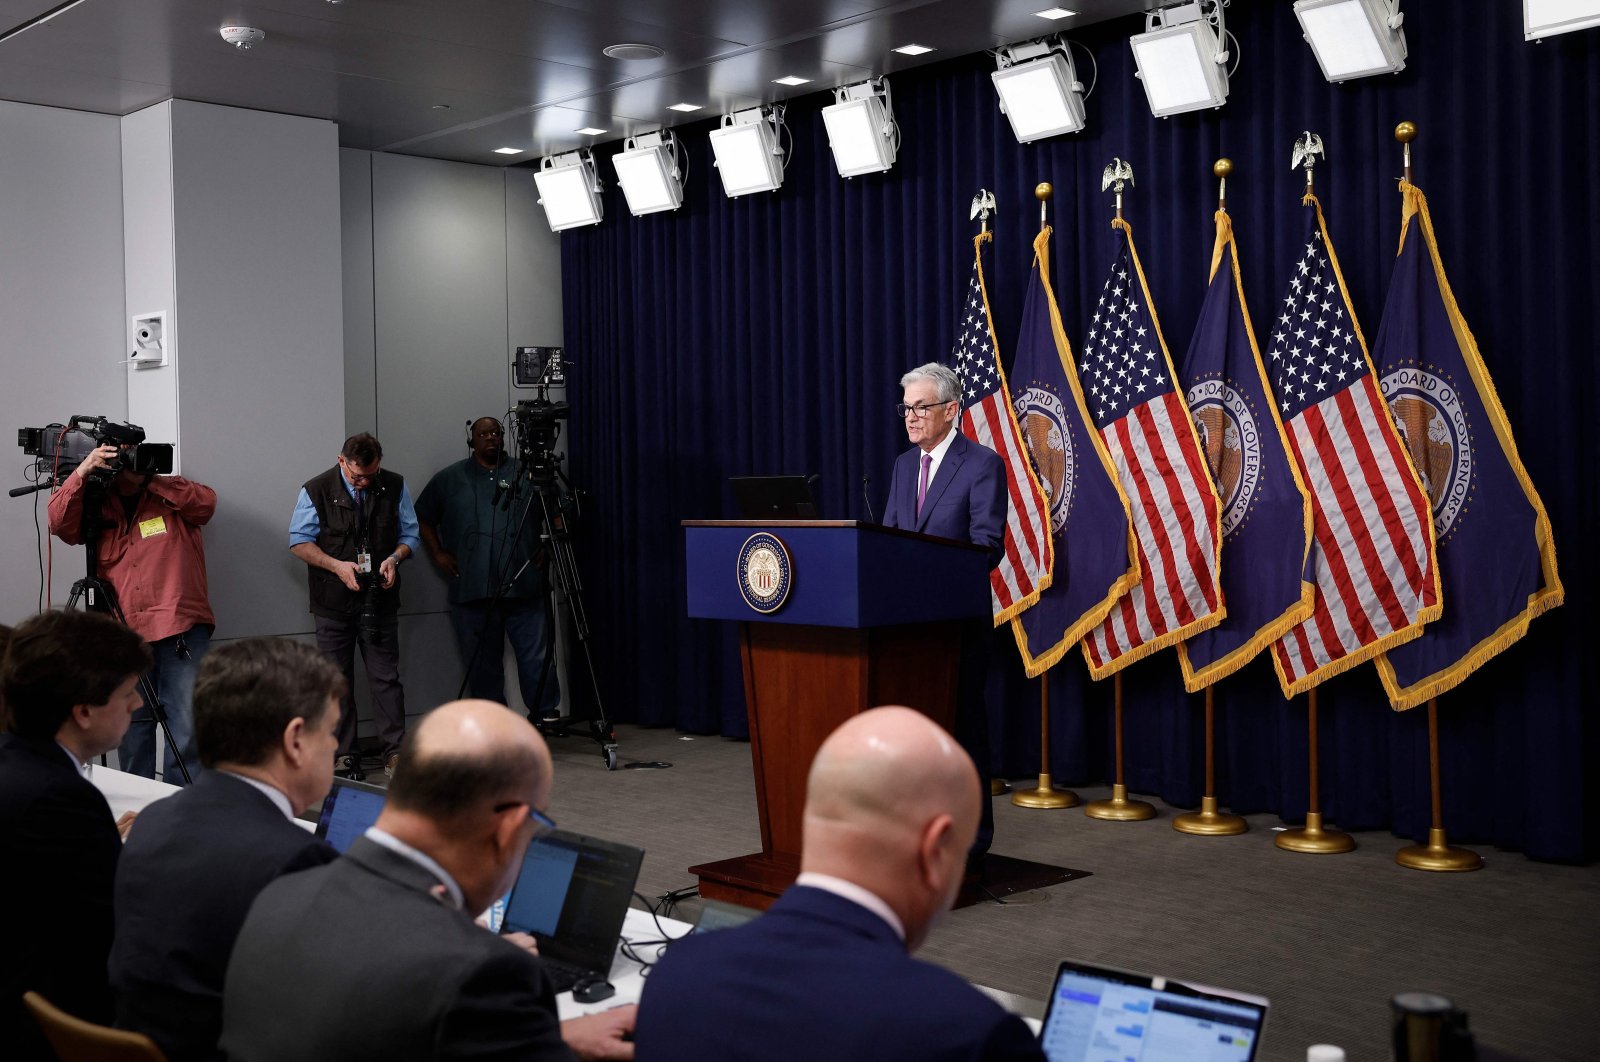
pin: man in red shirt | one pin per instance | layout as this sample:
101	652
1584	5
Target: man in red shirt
152	555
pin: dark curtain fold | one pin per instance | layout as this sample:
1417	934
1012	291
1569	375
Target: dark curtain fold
767	335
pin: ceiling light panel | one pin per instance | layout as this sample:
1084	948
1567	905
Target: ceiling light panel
1352	38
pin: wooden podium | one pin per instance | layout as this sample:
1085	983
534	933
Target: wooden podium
873	616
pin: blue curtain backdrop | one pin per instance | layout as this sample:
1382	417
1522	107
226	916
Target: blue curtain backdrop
767	335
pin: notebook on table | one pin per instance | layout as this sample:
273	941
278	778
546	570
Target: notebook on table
1098	1014
348	809
572	896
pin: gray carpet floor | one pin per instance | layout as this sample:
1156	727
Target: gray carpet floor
1328	939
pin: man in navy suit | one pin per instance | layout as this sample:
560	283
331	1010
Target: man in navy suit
950	486
946	484
827	973
71	688
266	715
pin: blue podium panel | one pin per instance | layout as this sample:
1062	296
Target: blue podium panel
840	573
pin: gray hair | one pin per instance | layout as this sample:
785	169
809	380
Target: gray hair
945	383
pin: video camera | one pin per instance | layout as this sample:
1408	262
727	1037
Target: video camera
60	448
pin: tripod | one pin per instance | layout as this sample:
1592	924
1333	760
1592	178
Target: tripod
97	595
554	535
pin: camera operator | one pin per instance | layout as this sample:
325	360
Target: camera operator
353	525
152	554
469	516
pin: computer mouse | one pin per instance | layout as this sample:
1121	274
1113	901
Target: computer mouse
592	991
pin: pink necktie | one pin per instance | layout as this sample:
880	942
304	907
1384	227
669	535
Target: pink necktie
922	485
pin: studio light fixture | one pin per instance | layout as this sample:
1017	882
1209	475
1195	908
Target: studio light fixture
1039	89
650	171
1546	18
1182	62
569	190
748	155
861	128
1354	38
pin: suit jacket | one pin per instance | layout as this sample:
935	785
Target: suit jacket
966	500
817	977
58	855
193	864
358	960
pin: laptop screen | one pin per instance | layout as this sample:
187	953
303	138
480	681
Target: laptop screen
1099	1015
349	808
774	497
572	895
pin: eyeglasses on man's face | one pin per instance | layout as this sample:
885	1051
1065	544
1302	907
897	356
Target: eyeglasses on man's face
919	410
542	824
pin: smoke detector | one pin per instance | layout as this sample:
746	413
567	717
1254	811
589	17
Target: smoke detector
243	37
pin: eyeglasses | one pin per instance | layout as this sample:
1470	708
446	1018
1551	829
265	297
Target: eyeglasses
919	410
542	824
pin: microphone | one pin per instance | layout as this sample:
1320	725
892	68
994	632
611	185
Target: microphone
866	481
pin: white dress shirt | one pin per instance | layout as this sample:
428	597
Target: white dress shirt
453	894
849	890
272	793
938	452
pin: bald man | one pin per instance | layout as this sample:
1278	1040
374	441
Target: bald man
827	973
376	956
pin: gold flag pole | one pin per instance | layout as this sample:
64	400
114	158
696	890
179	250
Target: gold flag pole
1208	821
1313	838
1437	854
983	205
1119	808
1047	795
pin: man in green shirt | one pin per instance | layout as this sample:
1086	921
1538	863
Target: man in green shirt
470	517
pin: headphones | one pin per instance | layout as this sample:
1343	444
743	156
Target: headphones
497	424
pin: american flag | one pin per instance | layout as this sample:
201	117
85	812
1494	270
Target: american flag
1376	575
988	418
1130	386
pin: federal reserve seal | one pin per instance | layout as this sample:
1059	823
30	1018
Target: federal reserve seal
1433	424
1231	443
1043	419
765	572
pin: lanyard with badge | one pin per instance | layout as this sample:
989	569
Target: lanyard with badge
363	552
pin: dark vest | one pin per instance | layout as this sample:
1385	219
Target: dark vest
341	538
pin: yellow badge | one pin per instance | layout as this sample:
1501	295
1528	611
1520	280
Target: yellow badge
156	525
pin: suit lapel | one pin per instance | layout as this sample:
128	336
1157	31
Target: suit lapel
948	468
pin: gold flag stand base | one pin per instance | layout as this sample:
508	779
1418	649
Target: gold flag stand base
1209	822
998	786
1046	796
1437	854
1313	839
1119	808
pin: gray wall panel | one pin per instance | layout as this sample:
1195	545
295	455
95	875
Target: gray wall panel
360	346
260	300
61	299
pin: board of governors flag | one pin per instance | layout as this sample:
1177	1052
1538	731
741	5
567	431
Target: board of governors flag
987	418
1131	389
1373	559
1497	560
1089	524
1266	513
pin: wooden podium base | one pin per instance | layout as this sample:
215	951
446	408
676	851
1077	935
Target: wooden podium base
751	881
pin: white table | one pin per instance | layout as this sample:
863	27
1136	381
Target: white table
626	975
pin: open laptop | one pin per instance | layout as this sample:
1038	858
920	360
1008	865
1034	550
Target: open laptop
348	809
572	896
1103	1015
773	497
715	914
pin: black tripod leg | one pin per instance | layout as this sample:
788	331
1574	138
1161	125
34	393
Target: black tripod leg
158	712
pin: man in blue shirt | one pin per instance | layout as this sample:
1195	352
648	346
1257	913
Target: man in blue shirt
471	517
353	525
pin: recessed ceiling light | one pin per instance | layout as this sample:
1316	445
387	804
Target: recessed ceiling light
508	151
632	51
684	107
440	107
1054	13
791	80
913	49
589	130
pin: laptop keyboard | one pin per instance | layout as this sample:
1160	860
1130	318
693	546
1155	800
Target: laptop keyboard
564	975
